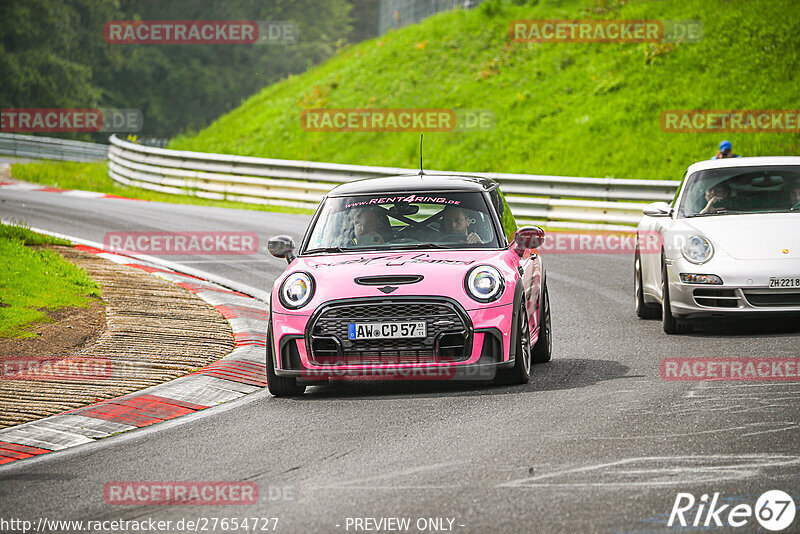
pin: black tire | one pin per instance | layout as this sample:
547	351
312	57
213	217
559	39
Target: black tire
643	309
543	350
280	386
521	372
672	325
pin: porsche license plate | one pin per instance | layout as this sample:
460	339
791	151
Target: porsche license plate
776	282
392	330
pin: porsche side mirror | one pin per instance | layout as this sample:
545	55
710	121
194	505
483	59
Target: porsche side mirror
528	237
657	209
282	246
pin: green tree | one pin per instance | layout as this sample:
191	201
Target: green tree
53	54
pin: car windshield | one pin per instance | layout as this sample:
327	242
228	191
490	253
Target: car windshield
738	190
403	221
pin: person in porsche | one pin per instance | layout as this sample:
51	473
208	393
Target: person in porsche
409	277
730	246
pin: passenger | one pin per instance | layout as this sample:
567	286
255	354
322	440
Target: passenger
370	227
717	198
456	221
725	151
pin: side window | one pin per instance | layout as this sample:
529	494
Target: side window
678	190
504	213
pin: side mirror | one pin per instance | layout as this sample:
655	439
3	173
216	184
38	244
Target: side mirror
528	237
657	209
282	246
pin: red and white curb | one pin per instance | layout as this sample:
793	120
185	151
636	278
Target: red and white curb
27	186
239	373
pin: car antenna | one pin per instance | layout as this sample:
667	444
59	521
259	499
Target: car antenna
421	172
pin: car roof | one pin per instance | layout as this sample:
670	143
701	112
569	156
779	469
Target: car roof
403	183
743	162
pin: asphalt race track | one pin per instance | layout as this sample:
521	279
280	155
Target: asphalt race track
596	442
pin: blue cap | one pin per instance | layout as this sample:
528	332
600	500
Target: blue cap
725	145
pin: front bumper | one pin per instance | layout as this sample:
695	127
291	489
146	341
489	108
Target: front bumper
486	333
744	291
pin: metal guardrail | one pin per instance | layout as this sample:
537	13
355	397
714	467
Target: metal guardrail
398	13
33	147
557	201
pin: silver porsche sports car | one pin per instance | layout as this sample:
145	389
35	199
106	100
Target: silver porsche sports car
730	244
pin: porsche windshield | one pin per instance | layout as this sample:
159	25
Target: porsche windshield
737	190
403	221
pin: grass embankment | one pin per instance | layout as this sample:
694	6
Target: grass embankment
574	109
34	280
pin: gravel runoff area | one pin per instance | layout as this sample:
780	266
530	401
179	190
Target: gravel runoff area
155	331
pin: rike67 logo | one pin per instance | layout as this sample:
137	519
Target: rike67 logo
774	510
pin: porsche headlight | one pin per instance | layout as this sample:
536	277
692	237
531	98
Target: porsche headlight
484	283
296	290
697	249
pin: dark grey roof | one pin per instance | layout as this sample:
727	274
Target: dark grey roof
414	183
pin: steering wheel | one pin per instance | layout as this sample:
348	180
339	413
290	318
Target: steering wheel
453	237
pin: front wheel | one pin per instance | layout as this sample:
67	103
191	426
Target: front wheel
672	325
280	386
643	309
521	372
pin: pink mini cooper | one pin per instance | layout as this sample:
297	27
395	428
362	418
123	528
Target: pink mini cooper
412	277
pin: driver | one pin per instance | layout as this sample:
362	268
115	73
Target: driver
717	198
794	194
456	221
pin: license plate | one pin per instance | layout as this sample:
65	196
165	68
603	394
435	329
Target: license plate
777	283
387	330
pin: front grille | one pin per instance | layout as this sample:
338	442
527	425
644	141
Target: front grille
758	298
448	332
716	298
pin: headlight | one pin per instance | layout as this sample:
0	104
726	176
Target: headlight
697	249
484	283
296	290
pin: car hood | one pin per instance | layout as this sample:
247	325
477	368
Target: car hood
443	274
753	236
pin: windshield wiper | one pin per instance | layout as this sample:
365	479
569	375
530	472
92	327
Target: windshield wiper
720	212
326	249
417	245
407	246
